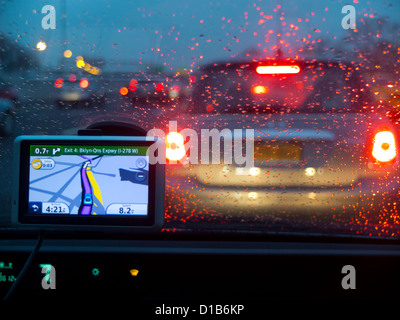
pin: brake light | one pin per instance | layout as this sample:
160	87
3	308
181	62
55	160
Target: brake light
278	69
159	87
133	85
84	83
175	144
384	146
59	83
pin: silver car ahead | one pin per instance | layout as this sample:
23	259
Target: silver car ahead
321	146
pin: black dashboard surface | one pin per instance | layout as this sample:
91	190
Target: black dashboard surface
194	270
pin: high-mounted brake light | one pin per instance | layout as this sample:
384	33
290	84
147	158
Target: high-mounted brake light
278	69
175	144
384	146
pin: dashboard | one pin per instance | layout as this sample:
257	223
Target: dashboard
182	270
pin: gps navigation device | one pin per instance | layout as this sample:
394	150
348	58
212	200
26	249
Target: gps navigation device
87	182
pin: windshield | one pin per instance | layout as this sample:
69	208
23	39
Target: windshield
280	117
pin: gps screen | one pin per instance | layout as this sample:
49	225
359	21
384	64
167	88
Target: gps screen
84	180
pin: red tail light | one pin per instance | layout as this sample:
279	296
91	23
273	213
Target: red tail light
278	69
175	144
133	85
159	87
59	83
384	146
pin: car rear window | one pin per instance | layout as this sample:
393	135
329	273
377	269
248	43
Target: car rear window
314	89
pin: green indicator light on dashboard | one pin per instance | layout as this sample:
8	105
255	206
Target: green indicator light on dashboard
4	265
95	272
7	278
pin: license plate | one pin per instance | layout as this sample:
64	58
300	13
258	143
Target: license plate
281	151
71	96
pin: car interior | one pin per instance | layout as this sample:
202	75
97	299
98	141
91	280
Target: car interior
260	168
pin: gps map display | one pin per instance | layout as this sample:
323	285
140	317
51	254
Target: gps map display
88	180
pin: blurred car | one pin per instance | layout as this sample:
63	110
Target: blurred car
8	103
321	145
74	91
159	88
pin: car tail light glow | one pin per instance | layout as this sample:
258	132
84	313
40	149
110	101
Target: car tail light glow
384	146
123	91
259	90
59	83
175	144
159	87
84	83
278	69
133	85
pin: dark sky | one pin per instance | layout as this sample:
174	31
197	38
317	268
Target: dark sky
180	34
